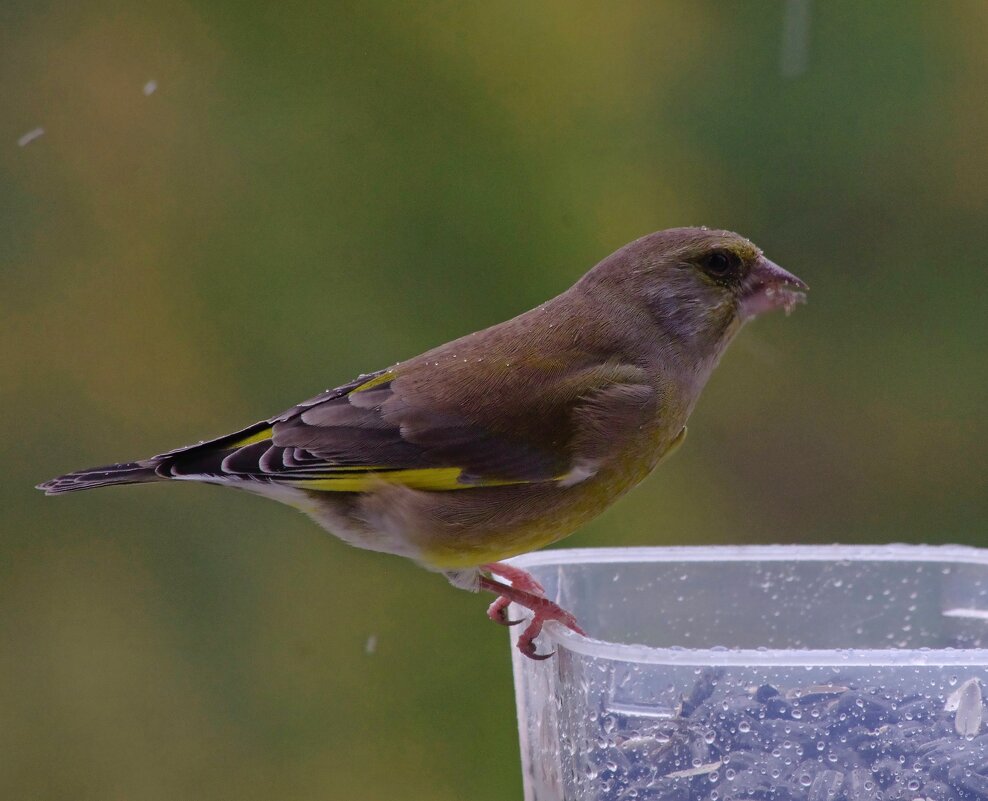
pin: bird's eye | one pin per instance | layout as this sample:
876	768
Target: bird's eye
721	264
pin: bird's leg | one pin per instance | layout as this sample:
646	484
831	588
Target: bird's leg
498	611
531	596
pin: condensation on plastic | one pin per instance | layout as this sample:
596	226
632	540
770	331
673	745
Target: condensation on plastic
657	619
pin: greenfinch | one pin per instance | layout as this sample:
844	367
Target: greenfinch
510	438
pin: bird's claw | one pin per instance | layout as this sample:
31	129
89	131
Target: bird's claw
544	611
498	612
531	653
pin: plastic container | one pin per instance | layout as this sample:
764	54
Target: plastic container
778	673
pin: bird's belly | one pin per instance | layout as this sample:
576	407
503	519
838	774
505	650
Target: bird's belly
450	530
500	522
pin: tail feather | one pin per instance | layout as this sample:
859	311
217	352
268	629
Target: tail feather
127	473
202	460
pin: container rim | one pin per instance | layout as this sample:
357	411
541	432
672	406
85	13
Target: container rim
562	637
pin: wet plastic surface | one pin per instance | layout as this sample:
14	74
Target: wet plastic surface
792	673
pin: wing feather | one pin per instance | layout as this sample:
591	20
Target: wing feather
369	430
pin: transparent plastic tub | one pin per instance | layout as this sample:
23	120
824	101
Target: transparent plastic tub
778	673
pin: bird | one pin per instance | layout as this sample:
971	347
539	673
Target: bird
505	440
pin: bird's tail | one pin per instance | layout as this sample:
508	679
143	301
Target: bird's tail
202	461
128	473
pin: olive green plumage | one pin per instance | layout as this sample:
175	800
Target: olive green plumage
510	438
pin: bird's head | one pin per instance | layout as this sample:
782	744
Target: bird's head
698	285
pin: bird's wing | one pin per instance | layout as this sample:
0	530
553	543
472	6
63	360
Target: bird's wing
373	430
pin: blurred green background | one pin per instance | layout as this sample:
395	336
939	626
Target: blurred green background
319	189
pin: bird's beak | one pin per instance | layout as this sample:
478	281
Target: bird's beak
769	287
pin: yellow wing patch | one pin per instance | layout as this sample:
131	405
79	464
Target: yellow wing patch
260	436
425	478
383	378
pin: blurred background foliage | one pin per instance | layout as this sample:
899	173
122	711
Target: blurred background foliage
319	189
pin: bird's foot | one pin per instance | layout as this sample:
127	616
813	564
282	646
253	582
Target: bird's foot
498	611
525	591
546	610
